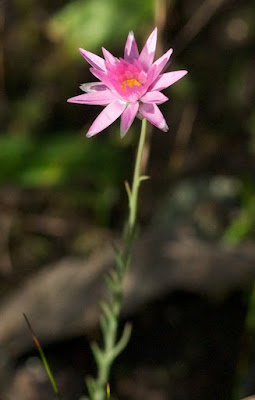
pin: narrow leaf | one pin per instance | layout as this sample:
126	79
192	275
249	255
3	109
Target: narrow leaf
128	191
91	386
144	178
97	353
44	360
123	341
107	311
119	258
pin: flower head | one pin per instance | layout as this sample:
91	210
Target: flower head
128	86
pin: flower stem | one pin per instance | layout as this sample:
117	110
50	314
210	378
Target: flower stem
137	177
112	346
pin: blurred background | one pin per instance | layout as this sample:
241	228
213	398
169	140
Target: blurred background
62	199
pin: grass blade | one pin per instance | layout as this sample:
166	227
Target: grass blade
44	360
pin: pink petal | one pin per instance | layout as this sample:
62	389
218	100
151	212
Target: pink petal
94	98
102	76
161	63
93	59
108	56
147	54
93	87
149	80
153	114
167	79
131	50
154	97
128	117
109	114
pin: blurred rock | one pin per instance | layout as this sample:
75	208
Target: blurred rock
61	300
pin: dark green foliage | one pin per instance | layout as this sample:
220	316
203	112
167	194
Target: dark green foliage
69	162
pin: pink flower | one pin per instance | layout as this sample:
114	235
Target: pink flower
128	87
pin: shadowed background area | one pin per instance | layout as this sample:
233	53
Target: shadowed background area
63	202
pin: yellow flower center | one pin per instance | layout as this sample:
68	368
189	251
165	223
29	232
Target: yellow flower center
130	83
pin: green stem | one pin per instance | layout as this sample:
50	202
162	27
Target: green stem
137	177
111	311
